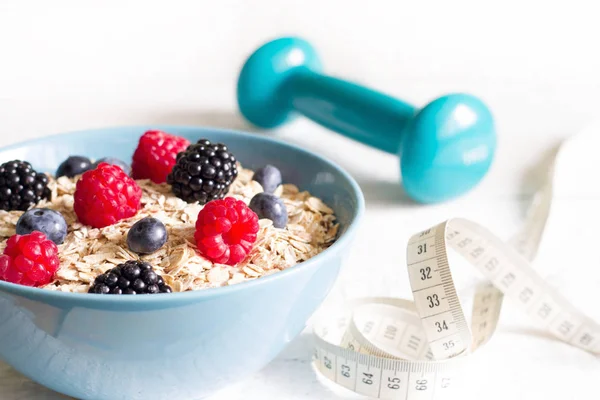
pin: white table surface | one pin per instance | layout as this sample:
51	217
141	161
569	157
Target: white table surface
67	65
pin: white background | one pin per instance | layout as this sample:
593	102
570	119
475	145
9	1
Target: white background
68	65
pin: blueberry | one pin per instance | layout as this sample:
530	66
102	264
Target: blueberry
267	205
146	236
47	221
269	178
74	165
114	161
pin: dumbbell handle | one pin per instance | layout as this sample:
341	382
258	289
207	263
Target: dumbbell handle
357	112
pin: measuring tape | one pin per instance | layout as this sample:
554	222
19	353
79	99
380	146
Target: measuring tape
412	350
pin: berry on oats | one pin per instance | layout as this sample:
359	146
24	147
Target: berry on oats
203	172
155	155
131	277
106	195
29	260
226	230
269	178
49	222
146	236
267	205
113	161
21	186
73	165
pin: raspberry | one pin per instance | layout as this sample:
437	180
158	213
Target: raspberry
155	155
29	260
226	230
106	195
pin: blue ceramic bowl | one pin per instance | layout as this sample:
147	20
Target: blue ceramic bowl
181	345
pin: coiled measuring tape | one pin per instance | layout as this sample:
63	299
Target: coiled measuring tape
411	350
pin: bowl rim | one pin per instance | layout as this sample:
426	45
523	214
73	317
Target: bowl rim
81	298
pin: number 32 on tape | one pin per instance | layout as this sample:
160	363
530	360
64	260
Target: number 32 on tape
410	350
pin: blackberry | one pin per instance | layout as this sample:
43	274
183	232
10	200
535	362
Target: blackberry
203	172
21	186
131	277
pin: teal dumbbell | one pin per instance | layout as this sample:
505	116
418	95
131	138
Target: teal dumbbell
445	148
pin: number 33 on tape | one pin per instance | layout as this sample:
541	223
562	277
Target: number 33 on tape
410	350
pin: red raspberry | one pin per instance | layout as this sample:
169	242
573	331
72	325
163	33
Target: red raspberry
155	155
226	230
106	195
29	260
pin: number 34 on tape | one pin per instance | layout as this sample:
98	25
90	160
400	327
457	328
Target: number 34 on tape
411	350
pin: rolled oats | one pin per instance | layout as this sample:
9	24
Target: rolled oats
88	252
